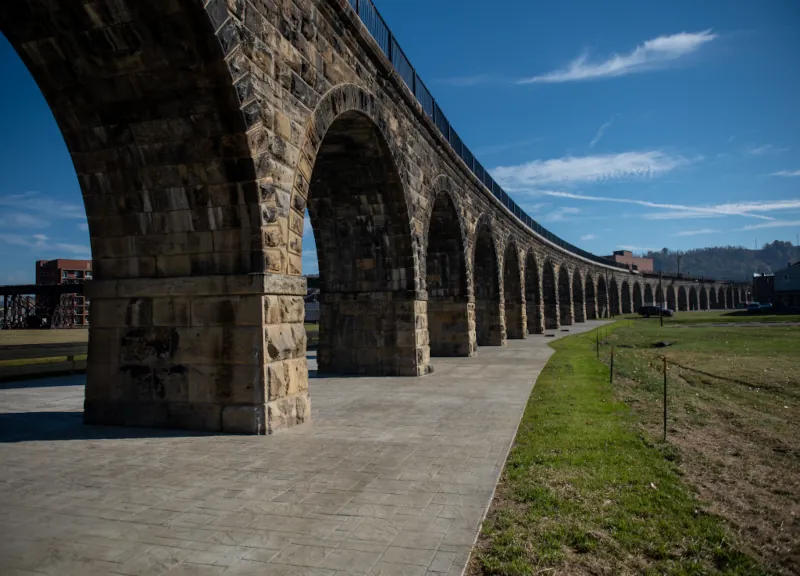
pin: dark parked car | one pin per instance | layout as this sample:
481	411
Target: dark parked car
753	308
650	310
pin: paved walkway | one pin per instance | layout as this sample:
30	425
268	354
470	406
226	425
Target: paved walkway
393	477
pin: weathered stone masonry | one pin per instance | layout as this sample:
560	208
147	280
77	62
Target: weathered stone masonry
201	132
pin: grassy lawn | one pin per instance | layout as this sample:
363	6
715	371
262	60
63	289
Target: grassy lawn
587	491
54	336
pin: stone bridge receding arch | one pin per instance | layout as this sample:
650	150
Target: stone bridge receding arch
488	316
512	293
533	295
564	297
550	294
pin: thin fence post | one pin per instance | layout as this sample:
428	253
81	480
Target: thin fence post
611	371
665	398
597	342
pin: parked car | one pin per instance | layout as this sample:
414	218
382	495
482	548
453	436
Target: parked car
312	308
650	310
753	308
766	307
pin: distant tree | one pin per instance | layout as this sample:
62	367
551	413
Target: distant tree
727	262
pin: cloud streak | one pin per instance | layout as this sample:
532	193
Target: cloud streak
653	54
600	133
774	224
786	173
587	169
748	209
697	232
40	204
588	237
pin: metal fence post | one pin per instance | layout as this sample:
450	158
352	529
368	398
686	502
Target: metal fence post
665	398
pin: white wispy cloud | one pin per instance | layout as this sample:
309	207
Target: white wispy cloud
38	203
558	214
22	220
765	149
40	244
749	209
697	232
655	53
635	248
588	237
587	168
774	224
83	226
600	132
787	173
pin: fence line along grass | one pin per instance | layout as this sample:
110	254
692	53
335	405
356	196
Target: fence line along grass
585	491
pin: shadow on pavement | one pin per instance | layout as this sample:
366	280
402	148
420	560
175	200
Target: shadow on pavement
38	426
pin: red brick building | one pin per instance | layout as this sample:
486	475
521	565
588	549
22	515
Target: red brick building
633	262
63	271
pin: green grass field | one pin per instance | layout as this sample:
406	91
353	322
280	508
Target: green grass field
589	488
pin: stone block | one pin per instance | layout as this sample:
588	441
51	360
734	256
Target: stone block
244	419
244	310
171	311
227	383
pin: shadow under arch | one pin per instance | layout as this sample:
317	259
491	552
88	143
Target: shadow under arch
446	277
550	296
512	292
578	304
359	216
591	298
533	295
486	285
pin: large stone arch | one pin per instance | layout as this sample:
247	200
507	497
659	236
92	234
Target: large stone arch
704	298
713	302
370	310
729	297
737	297
512	293
638	297
534	306
578	304
566	315
649	299
446	276
592	303
171	156
626	297
683	301
550	296
722	301
694	302
672	298
614	305
603	302
489	325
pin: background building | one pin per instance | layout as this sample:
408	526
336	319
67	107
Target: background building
633	262
63	271
787	287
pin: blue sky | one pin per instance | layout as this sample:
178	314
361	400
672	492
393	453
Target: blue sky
614	124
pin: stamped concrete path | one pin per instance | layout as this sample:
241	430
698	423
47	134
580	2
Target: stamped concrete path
393	477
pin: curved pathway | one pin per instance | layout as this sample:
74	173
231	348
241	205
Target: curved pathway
392	477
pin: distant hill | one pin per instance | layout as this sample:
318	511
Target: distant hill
727	262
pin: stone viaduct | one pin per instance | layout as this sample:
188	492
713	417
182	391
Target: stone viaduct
202	130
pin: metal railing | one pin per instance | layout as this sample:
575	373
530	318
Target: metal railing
383	36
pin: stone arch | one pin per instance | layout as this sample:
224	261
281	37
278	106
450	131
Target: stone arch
176	180
638	297
614	299
713	303
550	296
603	303
683	302
737	297
486	284
358	211
626	297
566	313
649	299
671	298
446	279
578	304
721	300
533	295
512	293
729	297
694	302
703	298
592	303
